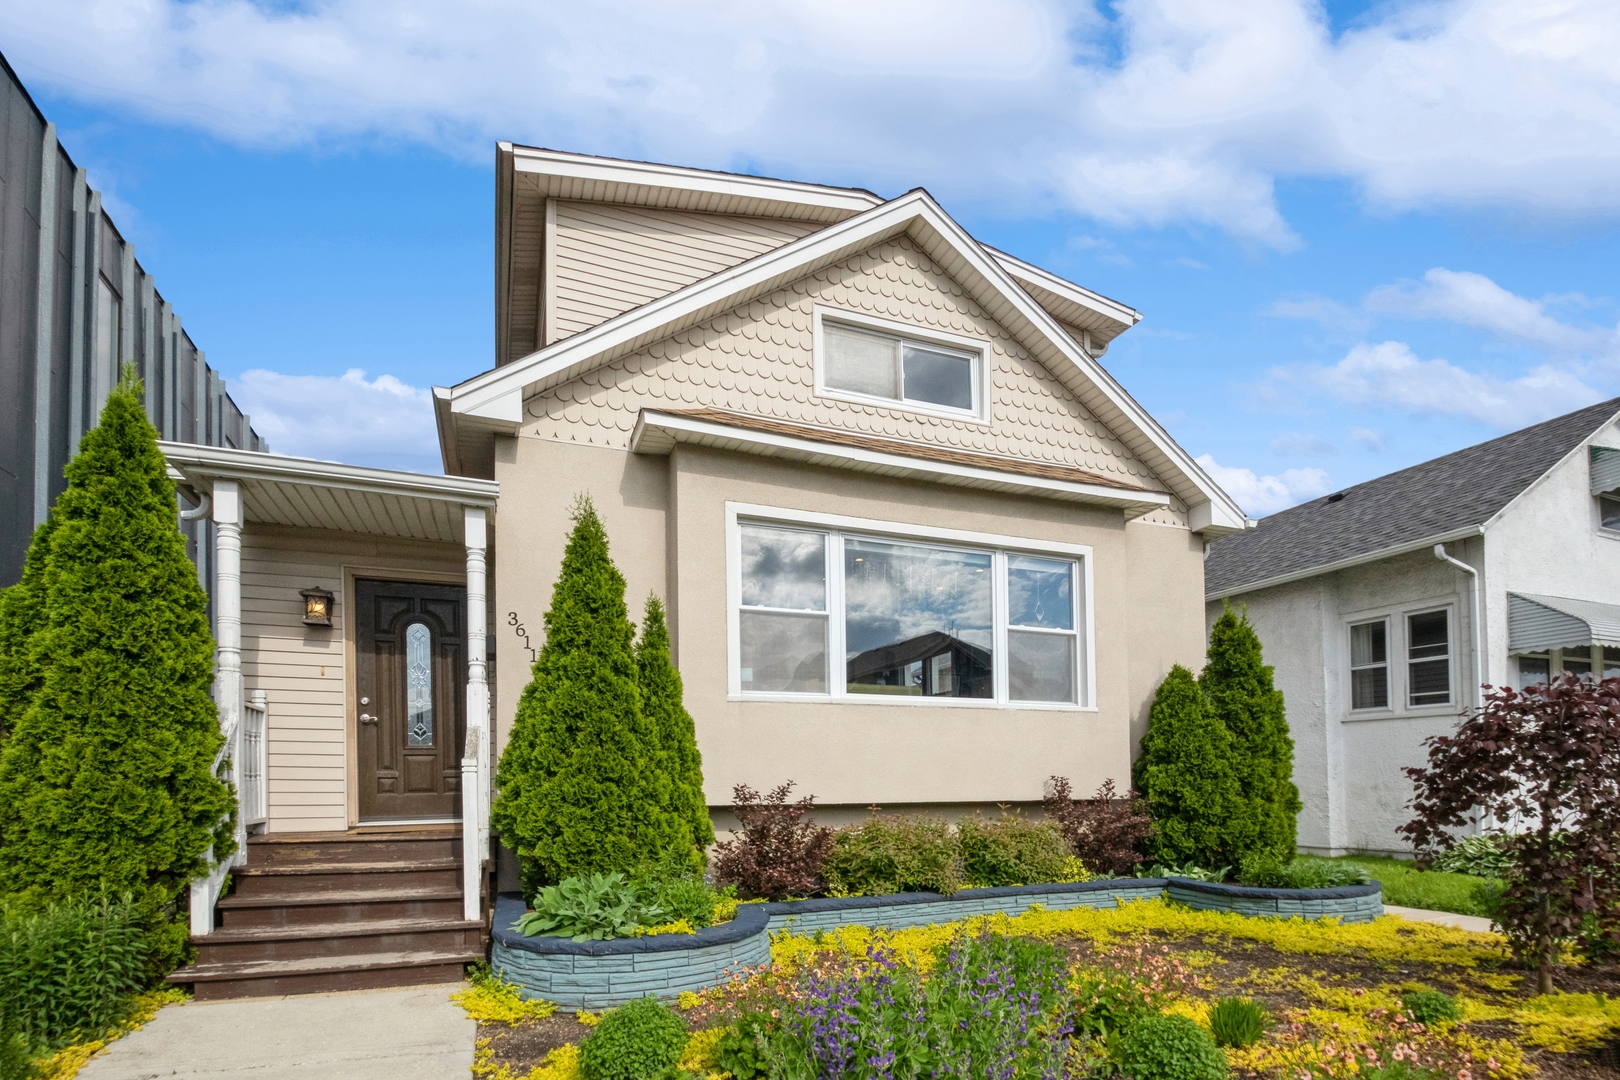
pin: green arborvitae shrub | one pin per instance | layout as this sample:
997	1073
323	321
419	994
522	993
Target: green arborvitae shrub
640	1040
576	788
1011	850
1187	776
69	969
1167	1048
892	854
22	612
107	781
1239	685
680	769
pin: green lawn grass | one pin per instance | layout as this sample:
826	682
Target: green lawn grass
1407	886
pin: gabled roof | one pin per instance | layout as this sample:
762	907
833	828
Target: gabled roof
537	173
494	400
1442	499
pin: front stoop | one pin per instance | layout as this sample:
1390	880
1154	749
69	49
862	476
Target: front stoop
317	912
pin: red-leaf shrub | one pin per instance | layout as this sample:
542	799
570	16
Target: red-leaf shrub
777	851
1548	760
1105	832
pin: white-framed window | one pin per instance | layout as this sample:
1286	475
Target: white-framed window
1369	664
1609	510
828	607
860	358
1535	668
1428	658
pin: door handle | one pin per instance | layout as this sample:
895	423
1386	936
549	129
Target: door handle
367	718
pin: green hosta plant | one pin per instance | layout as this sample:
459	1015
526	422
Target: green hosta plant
1484	856
592	907
1190	871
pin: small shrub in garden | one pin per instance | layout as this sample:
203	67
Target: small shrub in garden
1107	833
1167	1048
1011	850
639	1040
902	853
740	1052
1430	1007
70	967
778	851
1237	1022
1549	754
1485	856
689	898
1123	984
1266	870
592	907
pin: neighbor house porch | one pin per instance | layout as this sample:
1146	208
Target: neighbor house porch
351	616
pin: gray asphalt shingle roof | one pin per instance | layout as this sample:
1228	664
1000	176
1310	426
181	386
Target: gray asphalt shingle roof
1440	496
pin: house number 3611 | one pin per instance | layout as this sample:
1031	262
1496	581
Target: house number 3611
523	634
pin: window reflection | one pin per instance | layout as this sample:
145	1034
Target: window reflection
917	620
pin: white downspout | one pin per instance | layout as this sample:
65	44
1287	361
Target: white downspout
1481	673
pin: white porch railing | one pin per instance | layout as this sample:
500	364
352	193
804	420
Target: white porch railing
254	804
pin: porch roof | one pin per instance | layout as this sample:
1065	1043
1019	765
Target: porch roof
1537	623
310	494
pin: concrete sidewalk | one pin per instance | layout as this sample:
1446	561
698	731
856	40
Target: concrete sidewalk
1444	918
409	1034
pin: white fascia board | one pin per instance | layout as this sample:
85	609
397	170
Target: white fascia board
1345	564
221	464
647	174
1026	272
911	211
656	433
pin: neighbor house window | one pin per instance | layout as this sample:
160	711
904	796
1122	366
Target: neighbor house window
1576	660
905	619
1533	670
896	368
1609	510
1369	665
1428	652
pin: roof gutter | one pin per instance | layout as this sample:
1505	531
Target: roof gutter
1345	564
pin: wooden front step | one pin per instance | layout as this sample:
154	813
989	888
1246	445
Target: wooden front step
314	912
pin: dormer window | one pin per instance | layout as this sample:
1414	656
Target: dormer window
872	362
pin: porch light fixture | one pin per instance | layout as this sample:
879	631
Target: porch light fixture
317	606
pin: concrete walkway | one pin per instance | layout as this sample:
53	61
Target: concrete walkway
410	1034
1444	918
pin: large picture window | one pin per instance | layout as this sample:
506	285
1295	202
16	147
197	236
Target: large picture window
847	614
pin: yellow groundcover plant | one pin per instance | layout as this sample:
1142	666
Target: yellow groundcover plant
491	999
1569	1023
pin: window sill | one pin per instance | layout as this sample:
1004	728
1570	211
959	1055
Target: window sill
903	407
1419	712
913	702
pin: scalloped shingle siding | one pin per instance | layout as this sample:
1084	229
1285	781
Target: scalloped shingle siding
757	358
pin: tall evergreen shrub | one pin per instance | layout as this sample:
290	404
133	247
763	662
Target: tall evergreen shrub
680	770
107	782
22	611
1241	691
576	788
1187	776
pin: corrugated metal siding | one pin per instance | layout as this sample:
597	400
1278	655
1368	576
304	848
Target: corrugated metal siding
609	259
21	132
1605	469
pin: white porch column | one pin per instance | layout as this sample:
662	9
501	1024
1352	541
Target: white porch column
475	767
227	515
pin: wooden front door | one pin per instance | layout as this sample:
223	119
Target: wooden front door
410	711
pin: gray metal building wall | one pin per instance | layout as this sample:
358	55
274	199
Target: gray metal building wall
75	304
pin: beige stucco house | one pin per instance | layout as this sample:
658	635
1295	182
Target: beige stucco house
918	547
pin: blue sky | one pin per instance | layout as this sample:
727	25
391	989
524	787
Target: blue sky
1361	235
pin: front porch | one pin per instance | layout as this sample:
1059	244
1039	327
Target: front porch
352	682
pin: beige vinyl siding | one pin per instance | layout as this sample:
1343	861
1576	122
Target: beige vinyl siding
301	669
608	259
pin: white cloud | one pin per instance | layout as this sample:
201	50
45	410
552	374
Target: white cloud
382	423
1260	495
1369	439
1476	301
1160	111
1296	444
1329	314
1389	376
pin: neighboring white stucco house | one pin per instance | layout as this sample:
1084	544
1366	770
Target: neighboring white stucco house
1384	607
